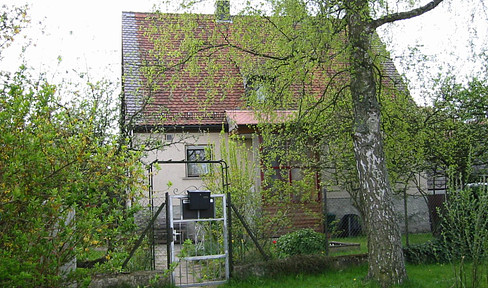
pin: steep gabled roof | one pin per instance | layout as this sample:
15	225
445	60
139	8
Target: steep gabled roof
161	93
162	97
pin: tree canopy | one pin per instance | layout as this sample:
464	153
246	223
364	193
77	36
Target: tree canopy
66	177
311	57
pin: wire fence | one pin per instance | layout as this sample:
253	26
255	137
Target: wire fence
345	226
253	237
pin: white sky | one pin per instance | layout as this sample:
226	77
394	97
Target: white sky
87	36
447	37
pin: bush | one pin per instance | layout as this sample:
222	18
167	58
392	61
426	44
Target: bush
427	253
464	231
465	222
300	242
65	180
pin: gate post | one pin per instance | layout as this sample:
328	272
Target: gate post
169	236
229	233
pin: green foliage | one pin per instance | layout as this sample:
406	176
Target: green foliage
464	232
188	249
430	252
456	138
235	150
465	222
12	21
404	130
64	182
212	270
301	242
140	261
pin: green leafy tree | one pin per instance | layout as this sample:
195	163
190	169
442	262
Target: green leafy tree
64	187
65	175
282	51
456	127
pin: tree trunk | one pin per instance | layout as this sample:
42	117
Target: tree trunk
386	262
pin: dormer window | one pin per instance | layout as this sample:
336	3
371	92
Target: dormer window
258	87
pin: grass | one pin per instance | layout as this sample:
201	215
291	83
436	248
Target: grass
363	248
420	276
433	275
417	238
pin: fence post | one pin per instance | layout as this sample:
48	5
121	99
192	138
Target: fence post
169	236
405	208
326	220
225	183
229	233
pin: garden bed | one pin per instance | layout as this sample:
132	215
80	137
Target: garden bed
298	264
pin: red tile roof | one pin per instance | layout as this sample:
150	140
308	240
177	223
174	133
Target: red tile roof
174	96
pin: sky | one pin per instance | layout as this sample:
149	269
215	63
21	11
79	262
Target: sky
84	35
70	37
447	38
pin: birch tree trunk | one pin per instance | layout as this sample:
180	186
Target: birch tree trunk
386	262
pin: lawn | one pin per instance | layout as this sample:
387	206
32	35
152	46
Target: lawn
412	238
435	275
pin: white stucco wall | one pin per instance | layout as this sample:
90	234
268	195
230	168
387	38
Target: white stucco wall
173	177
339	202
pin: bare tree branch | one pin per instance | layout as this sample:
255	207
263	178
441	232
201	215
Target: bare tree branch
405	15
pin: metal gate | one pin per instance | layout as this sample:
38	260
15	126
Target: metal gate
198	252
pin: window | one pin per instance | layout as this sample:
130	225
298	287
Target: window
258	88
168	137
197	153
287	179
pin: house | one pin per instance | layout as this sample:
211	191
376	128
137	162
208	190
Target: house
166	103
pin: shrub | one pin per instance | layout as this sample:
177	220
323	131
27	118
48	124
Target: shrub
427	253
300	242
464	231
465	222
65	180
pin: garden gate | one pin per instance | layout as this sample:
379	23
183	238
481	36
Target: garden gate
197	231
197	250
197	239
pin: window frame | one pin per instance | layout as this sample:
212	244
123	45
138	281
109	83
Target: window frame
287	172
257	87
197	170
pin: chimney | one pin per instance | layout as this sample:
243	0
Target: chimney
222	11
